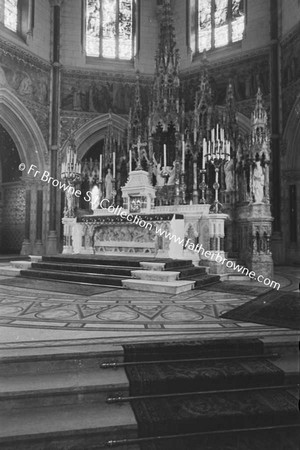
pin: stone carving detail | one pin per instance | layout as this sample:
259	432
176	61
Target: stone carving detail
81	91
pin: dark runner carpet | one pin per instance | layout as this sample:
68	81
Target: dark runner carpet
210	411
278	309
54	286
231	287
192	349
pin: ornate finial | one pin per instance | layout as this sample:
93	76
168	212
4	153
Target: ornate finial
165	108
229	119
136	119
259	118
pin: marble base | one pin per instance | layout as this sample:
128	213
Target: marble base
152	266
155	275
23	265
174	288
262	265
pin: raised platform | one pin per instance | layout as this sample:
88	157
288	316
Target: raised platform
154	275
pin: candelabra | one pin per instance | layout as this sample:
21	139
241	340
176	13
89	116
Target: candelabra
203	186
71	173
215	151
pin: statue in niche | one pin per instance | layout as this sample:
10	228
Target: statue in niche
76	99
42	91
108	185
95	193
91	95
258	182
25	87
3	80
229	175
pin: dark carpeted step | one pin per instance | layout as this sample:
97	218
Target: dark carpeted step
93	259
191	271
132	261
107	280
86	268
268	439
214	412
203	280
178	377
192	349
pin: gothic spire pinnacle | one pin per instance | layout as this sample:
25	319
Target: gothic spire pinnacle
165	106
136	114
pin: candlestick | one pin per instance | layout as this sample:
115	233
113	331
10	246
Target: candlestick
114	165
100	168
165	155
183	155
203	153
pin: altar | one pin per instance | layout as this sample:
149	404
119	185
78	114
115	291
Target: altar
139	228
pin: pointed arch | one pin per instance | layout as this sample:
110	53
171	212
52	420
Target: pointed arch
291	137
95	130
23	129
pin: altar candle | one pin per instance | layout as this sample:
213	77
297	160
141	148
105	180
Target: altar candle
217	131
213	135
130	160
183	155
114	165
203	153
75	157
165	155
100	168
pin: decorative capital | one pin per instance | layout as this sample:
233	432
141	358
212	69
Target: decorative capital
56	3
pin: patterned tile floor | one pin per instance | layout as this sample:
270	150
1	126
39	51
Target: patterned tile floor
35	315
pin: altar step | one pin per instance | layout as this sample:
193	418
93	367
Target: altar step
157	275
57	397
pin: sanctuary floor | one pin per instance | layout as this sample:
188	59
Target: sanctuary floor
34	318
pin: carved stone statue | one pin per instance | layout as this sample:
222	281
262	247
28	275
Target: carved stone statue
229	175
3	80
25	87
171	179
95	197
258	182
160	181
70	203
108	185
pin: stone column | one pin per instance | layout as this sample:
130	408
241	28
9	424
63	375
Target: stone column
275	108
26	246
39	222
54	120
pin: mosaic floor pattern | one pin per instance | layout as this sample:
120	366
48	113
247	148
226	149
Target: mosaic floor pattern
125	311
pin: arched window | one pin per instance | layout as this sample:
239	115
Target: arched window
216	23
109	26
17	16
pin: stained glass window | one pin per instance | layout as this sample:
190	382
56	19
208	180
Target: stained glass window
219	22
109	28
11	14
